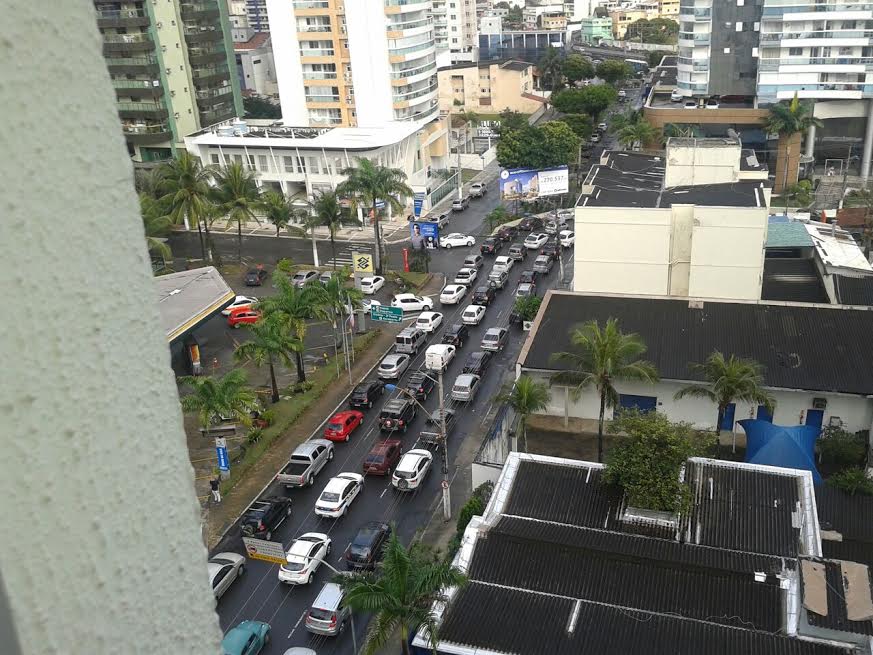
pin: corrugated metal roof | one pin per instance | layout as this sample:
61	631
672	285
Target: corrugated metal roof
836	618
851	516
788	235
854	290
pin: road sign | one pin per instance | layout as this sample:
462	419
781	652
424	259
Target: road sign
444	484
221	451
269	551
386	313
363	262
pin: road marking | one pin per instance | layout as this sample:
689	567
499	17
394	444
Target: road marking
296	624
383	492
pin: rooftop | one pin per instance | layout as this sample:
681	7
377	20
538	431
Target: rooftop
837	248
792	280
258	40
851	290
846	523
188	298
787	234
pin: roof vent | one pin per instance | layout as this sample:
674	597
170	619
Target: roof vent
650	522
695	304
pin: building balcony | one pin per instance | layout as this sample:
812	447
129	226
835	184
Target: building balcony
321	99
317	52
393	7
195	10
411	52
147	134
809	8
311	4
203	34
134	65
122	18
214	95
303	31
155	110
138	88
692	15
692	65
207	75
127	43
417	93
770	37
319	75
694	38
212	117
200	56
775	64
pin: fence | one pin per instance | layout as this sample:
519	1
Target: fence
477	162
495	448
636	45
444	189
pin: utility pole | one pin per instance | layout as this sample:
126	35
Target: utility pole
785	177
845	179
560	249
447	503
460	181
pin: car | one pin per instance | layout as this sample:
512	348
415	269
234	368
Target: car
484	295
457	240
264	515
338	495
525	289
551	249
676	95
466	276
465	387
307	461
365	393
442	220
517	252
326	277
243	316
393	366
543	264
712	103
535	240
302	278
383	457
371	284
551	227
528	277
622	93
498	279
305	554
365	549
491	246
409	302
329	612
473	314
477	362
452	294
530	223
247	638
435	418
368	304
342	424
494	339
503	263
690	104
567	238
602	127
397	414
429	321
473	261
507	233
255	276
460	204
478	189
239	302
420	384
438	356
595	138
223	569
456	335
412	469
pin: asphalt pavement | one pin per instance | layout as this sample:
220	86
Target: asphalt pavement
258	594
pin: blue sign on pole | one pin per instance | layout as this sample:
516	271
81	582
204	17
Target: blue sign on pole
424	234
418	203
221	451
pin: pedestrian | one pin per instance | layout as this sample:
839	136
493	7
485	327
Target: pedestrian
216	491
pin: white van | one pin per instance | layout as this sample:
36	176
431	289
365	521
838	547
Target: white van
438	356
409	341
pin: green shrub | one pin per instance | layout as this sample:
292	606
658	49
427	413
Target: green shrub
852	481
841	448
254	435
473	507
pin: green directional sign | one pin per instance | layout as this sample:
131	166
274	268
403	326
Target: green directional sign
386	313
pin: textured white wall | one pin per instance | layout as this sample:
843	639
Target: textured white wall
100	549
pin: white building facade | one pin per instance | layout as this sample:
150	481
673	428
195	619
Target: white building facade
455	31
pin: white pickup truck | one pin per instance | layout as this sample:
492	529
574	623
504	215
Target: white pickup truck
305	463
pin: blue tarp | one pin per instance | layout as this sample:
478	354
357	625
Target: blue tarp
778	445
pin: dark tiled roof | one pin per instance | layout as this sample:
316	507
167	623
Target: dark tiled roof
669	60
636	162
837	618
854	290
257	41
737	194
786	340
792	280
535	624
851	516
849	550
515	65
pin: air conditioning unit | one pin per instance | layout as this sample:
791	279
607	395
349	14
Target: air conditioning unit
819	403
835	422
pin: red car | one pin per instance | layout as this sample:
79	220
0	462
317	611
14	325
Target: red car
383	457
243	315
341	426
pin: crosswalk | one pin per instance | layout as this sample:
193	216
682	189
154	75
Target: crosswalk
344	255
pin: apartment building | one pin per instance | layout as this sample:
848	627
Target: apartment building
454	23
364	63
173	69
488	88
255	65
256	10
622	17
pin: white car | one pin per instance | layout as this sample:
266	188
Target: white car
223	569
393	366
503	263
457	240
567	238
602	127
239	301
535	240
370	285
339	493
473	314
303	558
438	356
452	294
690	104
367	305
412	469
622	93
676	95
429	321
466	276
409	302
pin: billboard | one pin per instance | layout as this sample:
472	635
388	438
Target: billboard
424	234
529	184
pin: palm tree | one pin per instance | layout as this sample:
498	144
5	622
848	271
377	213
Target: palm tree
327	211
728	380
400	593
600	358
636	134
366	184
185	188
277	209
149	181
621	121
551	67
156	225
338	298
470	119
786	120
292	306
270	342
213	398
236	192
527	397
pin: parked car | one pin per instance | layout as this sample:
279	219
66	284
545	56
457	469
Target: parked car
507	233
442	220
528	277
325	277
305	554
438	356
602	126
338	495
371	284
264	515
484	295
503	263
530	223
243	316
428	322
397	414
567	238
535	240
342	424
525	289
551	227
473	314
712	103
409	302
305	463
393	366
594	138
676	96
473	261
456	335
247	638
477	362
368	303
491	246
383	457
224	569
240	302
465	387
365	393
302	278
466	276
420	384
452	294
690	104
543	264
517	252
412	469
457	240
498	279
460	204
365	549
494	339
478	190
255	276
328	614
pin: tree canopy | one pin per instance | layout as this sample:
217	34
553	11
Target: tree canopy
552	144
581	124
614	70
591	100
657	30
576	68
256	107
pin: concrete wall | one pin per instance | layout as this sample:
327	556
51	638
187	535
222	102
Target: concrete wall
371	70
286	55
101	550
689	165
503	89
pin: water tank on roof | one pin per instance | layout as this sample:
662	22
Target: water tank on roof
225	130
240	127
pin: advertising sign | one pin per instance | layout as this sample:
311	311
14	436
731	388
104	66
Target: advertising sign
221	451
418	203
363	262
529	184
269	551
424	234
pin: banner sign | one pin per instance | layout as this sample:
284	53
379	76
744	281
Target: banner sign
424	234
269	551
418	204
529	184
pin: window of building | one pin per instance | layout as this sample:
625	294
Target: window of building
289	164
263	163
795	52
215	159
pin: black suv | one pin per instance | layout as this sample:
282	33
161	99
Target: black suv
528	277
477	362
366	548
483	295
491	246
366	393
507	233
552	249
456	334
420	384
255	277
530	223
265	515
397	414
